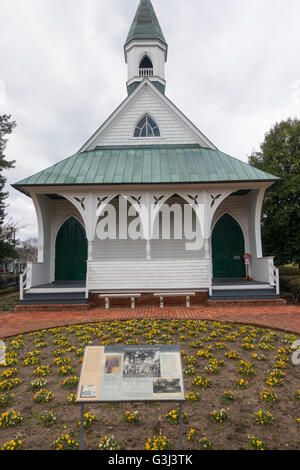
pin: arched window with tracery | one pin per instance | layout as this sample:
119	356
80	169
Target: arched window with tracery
147	127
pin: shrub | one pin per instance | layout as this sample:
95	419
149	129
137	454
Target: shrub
291	286
289	271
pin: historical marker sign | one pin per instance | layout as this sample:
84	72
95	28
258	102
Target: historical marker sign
131	373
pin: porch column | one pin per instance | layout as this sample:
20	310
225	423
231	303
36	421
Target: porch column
148	250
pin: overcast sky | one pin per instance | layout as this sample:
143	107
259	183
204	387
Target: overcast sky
233	68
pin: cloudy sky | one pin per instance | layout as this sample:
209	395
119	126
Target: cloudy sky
233	69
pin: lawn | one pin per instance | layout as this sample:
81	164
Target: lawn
9	301
239	381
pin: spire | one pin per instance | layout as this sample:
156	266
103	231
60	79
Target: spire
145	24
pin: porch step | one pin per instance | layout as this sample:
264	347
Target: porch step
245	294
65	298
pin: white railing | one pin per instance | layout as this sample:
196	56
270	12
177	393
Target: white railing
23	281
87	285
210	273
274	278
146	72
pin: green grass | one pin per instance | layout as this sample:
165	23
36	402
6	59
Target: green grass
8	290
8	303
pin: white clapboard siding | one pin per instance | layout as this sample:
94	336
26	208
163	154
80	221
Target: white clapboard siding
175	274
173	249
119	250
173	130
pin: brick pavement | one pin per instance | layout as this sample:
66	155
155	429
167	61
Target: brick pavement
284	317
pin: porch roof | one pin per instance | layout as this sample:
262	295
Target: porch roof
147	164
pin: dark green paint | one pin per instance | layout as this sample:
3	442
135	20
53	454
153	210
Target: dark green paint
158	85
71	252
228	248
145	24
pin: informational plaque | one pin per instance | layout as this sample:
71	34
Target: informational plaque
131	373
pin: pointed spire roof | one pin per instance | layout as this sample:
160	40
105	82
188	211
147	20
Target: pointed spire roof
145	24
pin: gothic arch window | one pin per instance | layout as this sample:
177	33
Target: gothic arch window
146	67
147	127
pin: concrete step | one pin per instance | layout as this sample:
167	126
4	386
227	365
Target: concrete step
244	294
68	298
49	295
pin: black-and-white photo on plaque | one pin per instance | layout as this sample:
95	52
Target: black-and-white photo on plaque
140	363
166	386
88	391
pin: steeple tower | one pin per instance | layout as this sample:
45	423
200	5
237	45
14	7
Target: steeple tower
146	49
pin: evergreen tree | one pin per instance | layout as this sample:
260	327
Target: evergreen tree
280	155
7	230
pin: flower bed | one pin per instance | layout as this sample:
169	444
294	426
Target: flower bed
242	391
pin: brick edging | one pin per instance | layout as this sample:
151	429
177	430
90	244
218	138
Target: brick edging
51	308
246	303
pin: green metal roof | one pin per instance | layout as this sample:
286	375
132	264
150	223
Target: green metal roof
145	165
145	24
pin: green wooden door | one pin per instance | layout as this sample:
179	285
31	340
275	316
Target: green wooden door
228	247
71	252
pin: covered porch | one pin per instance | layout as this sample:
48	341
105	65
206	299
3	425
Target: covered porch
75	263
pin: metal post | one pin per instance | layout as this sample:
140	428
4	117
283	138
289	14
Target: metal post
180	427
81	440
21	287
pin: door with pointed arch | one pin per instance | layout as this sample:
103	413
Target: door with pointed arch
228	247
71	252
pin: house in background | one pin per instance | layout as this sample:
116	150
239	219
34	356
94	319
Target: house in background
149	155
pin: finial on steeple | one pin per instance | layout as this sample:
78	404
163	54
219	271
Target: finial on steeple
146	49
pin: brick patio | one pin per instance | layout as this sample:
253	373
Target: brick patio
286	317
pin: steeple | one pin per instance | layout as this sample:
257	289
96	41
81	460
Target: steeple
146	49
145	24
